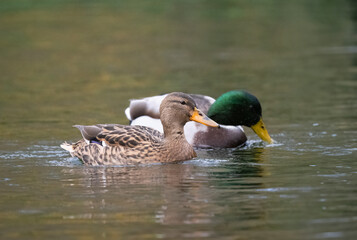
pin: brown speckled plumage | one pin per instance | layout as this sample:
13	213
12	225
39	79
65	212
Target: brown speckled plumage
114	144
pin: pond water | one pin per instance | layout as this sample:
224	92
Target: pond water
78	62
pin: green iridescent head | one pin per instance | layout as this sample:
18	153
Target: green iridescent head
239	107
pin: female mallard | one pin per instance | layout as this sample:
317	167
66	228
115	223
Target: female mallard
113	144
231	109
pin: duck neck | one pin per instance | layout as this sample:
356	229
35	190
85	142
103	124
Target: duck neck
175	141
174	130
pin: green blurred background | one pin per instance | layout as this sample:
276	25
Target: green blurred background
79	62
68	62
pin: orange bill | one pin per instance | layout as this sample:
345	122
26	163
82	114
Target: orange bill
200	117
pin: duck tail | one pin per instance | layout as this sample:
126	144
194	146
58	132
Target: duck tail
68	147
127	114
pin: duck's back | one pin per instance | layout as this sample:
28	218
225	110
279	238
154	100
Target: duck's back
113	144
150	106
128	145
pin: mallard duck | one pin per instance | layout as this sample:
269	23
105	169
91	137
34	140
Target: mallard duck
114	144
231	110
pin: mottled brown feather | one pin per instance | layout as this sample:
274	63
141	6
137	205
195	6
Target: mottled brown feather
138	144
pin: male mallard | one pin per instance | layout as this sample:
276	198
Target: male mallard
231	109
114	144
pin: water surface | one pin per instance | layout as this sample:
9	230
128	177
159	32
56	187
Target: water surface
65	63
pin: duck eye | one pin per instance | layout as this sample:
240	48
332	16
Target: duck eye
183	102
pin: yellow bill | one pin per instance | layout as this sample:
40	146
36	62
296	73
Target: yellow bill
200	117
261	131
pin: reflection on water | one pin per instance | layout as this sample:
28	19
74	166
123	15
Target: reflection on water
65	63
251	188
179	193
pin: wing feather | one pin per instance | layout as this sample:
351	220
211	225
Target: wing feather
128	136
